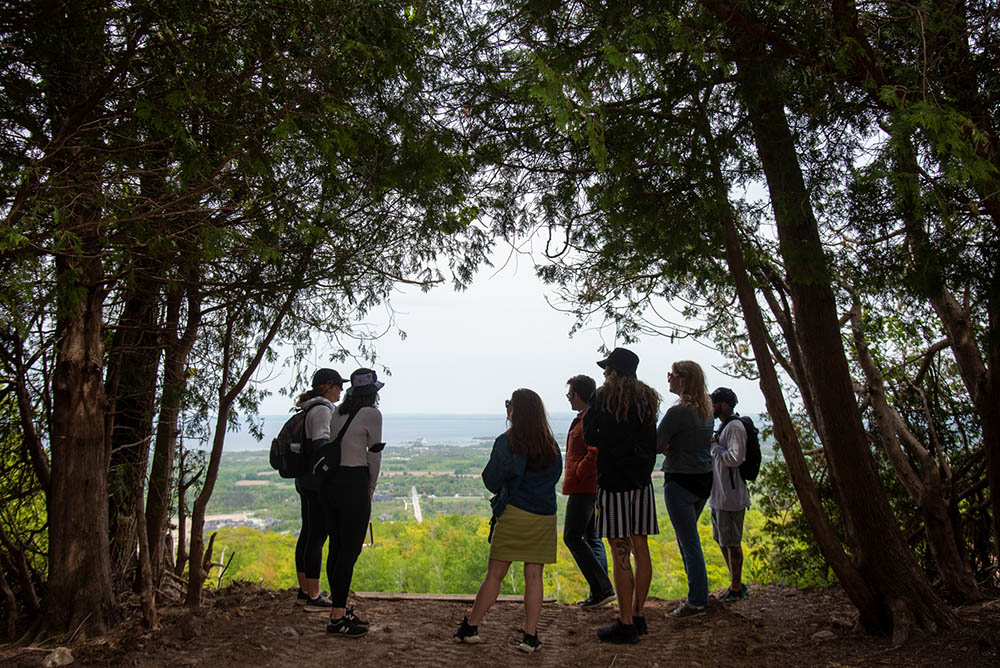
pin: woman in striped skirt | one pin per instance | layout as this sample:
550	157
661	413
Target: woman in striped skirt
621	424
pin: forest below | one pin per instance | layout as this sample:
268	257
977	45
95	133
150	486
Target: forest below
195	193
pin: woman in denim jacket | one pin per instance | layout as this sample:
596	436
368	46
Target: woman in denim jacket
523	470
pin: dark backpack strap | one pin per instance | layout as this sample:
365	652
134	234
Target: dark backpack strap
734	416
340	434
334	445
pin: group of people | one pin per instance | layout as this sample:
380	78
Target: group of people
336	494
611	450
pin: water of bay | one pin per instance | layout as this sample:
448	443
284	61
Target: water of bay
413	428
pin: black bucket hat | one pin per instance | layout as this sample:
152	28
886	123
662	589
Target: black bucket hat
622	360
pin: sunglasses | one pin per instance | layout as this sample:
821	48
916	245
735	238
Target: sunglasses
671	374
506	404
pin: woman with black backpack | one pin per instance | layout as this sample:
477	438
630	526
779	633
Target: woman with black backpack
318	404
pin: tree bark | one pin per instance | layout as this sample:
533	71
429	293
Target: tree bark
227	396
870	610
923	484
178	348
131	390
904	593
978	376
78	592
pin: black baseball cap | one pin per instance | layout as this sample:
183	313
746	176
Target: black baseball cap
326	377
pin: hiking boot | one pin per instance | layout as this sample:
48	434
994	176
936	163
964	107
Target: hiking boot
466	632
618	633
640	625
529	643
687	610
593	601
730	596
319	604
345	628
349	613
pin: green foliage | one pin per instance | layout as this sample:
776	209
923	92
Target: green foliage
447	553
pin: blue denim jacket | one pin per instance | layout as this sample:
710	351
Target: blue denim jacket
507	476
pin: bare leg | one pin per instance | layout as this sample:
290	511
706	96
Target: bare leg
532	597
489	590
643	572
734	559
624	581
309	585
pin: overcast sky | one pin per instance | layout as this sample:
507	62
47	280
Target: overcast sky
465	352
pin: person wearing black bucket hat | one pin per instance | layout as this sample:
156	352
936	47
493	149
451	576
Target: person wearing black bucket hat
621	424
347	492
622	360
319	406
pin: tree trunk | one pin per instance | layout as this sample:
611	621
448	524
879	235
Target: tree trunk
923	484
182	487
178	347
829	545
227	396
980	379
870	610
78	592
882	556
131	390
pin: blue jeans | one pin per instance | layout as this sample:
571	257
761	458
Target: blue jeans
684	509
580	536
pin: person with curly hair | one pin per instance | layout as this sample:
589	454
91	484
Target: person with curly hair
621	424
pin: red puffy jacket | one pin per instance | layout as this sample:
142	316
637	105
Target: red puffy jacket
581	461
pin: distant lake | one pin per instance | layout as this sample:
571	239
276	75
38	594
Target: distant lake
423	428
409	428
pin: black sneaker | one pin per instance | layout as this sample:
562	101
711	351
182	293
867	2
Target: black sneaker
640	625
618	633
345	628
319	604
301	597
687	610
349	614
731	596
594	601
530	643
466	632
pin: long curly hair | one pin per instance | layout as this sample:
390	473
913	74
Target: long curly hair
694	393
622	396
529	432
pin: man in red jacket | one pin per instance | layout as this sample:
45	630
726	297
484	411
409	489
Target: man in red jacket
580	485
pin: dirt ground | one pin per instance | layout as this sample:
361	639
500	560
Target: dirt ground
246	625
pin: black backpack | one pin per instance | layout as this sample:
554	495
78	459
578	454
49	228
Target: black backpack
750	468
290	455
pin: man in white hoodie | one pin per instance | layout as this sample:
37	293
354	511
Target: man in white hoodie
730	497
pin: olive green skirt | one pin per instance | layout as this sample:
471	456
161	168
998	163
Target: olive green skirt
523	536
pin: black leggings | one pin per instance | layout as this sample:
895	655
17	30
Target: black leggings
309	547
348	508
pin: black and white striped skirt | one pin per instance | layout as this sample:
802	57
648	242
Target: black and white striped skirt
624	514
